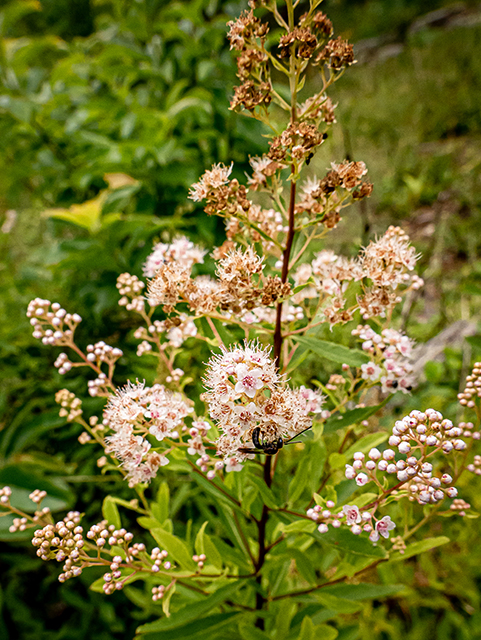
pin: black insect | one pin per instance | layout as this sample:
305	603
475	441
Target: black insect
269	448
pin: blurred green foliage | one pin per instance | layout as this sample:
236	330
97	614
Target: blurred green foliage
142	88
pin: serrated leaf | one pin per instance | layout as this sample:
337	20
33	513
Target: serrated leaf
332	351
176	548
419	547
110	512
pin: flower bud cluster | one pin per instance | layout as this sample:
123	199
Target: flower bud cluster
63	542
460	506
200	560
52	324
352	517
37	496
130	289
475	466
472	391
5	493
99	386
101	352
420	432
391	363
112	579
158	558
70	405
158	592
63	363
198	433
177	330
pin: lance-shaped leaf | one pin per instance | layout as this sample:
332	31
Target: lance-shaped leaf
176	548
354	416
332	351
193	611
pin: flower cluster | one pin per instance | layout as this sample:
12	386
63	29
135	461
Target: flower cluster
391	358
135	412
472	390
244	393
71	406
130	289
180	250
63	542
176	329
357	520
51	323
416	437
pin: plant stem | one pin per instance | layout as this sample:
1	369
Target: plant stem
261	527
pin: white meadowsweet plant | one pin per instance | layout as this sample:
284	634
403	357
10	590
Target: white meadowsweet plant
293	483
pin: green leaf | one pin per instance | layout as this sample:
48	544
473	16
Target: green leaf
111	512
474	341
299	526
344	540
325	631
265	491
160	508
199	539
368	442
176	548
363	591
304	565
419	547
342	605
149	523
307	630
166	600
194	630
332	351
192	611
354	416
248	631
212	553
337	460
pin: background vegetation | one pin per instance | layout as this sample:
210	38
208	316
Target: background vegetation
142	88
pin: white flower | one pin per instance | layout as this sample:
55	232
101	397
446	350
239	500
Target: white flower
384	526
361	479
248	381
352	513
371	371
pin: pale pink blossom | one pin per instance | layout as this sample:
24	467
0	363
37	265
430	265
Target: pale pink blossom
248	380
384	526
352	513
